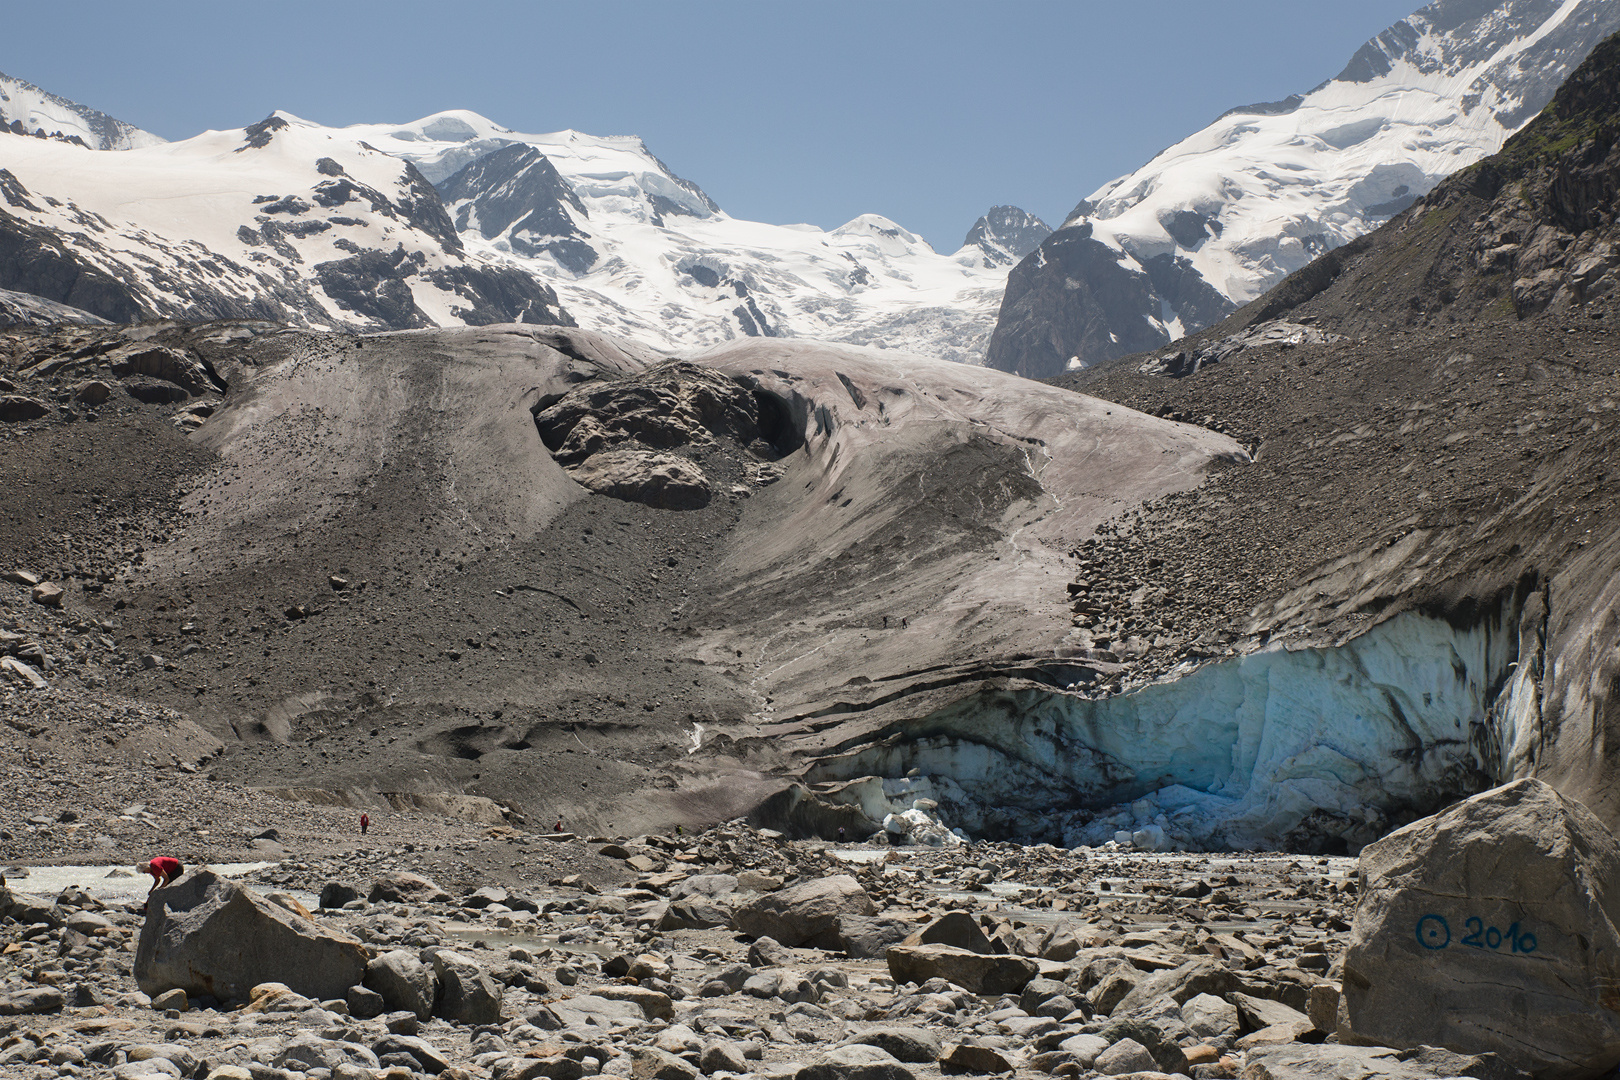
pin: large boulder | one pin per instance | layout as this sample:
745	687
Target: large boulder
29	909
206	935
404	983
1491	927
978	972
400	887
467	993
806	914
665	481
868	937
955	928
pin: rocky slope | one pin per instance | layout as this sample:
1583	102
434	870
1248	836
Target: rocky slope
1221	217
314	231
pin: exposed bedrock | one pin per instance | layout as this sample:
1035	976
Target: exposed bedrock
1314	749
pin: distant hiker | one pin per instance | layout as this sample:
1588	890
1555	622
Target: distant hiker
840	834
679	831
557	827
365	823
164	869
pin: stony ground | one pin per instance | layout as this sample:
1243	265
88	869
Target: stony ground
595	979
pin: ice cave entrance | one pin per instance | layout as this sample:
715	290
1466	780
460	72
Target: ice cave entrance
1318	750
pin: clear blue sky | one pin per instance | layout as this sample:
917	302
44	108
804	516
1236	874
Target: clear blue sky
925	111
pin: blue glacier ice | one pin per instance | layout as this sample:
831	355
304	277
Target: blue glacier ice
1307	748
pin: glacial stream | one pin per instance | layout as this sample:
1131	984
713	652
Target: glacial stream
1305	749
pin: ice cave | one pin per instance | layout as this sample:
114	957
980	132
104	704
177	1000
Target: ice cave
1311	749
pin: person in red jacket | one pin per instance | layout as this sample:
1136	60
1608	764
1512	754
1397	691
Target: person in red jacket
164	869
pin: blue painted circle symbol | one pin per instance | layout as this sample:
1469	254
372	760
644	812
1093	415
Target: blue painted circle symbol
1433	932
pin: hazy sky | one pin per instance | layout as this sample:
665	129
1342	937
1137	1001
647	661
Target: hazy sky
925	111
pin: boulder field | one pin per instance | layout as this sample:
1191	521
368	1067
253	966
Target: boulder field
737	952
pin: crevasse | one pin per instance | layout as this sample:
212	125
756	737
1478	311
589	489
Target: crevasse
1309	749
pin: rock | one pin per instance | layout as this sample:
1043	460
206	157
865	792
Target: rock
484	896
754	881
1330	1061
868	937
289	902
206	935
167	365
647	477
722	1055
1038	991
94	392
39	999
334	894
552	1067
972	971
855	1061
364	1003
16	408
404	983
172	999
912	1044
763	985
23	673
398	887
1125	1056
1060	945
467	994
678	1039
1182	983
693	915
956	929
712	886
1323	1007
427	1057
589	1009
968	1058
1085	1048
47	594
807	913
30	910
653	1005
306	1052
1208	1016
1257	1013
274	997
768	952
651	1063
1491	927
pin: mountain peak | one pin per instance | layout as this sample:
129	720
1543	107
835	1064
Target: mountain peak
1228	212
1005	234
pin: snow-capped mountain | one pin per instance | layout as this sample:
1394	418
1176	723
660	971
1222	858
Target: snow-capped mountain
280	220
25	109
634	249
1006	234
1223	215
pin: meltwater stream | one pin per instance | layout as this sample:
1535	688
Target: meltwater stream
1310	749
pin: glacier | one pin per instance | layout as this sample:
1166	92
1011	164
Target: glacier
1318	749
